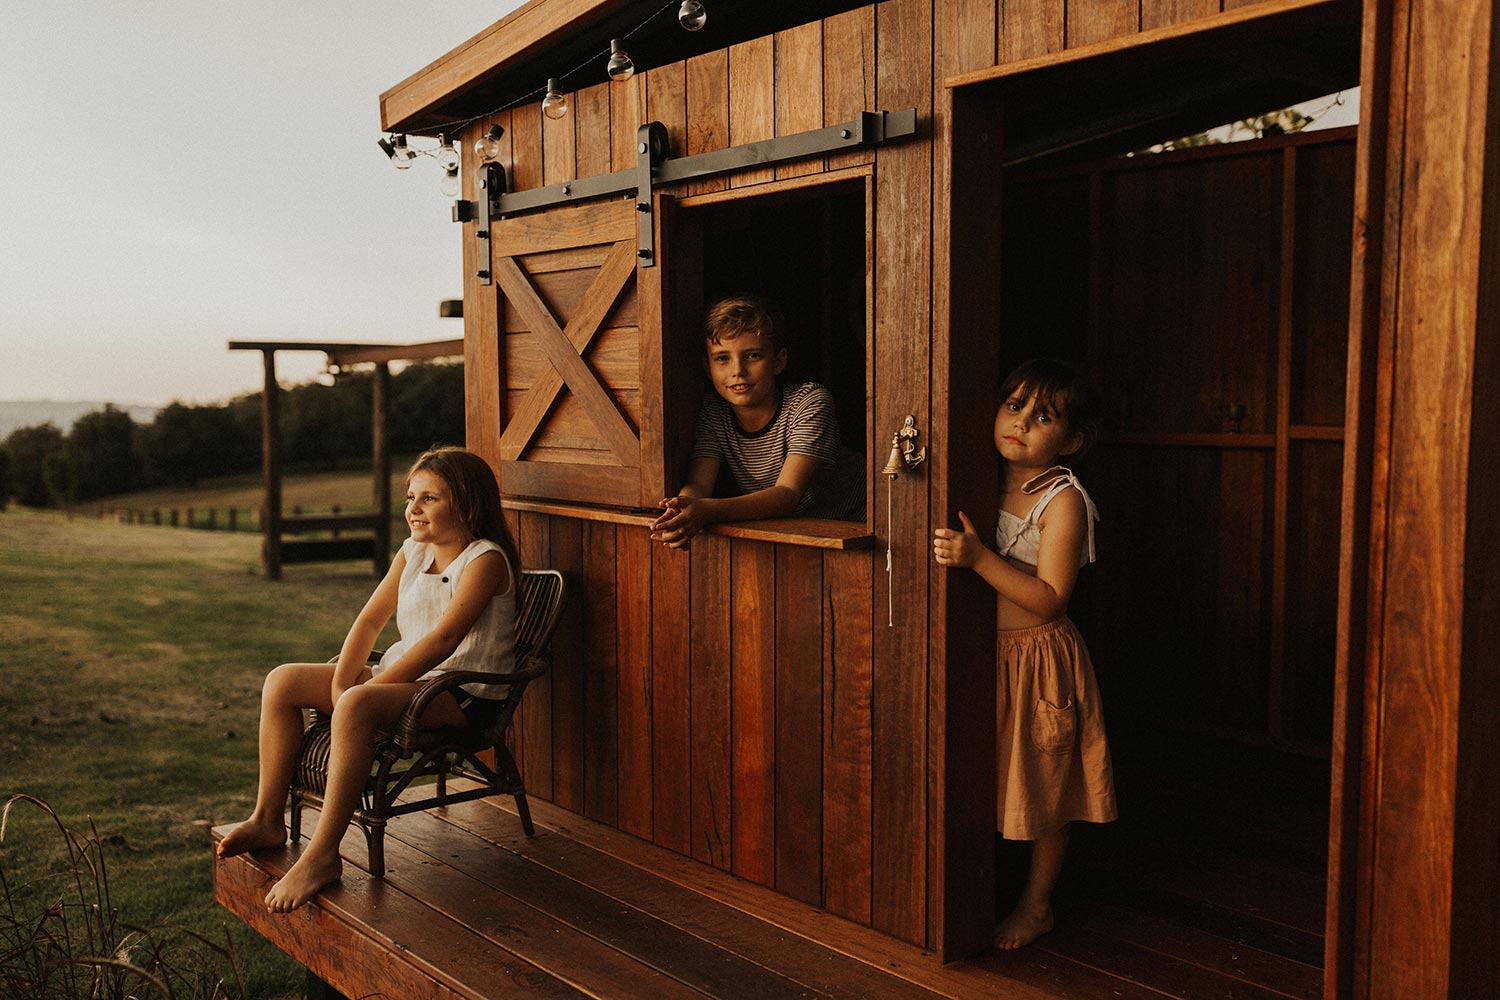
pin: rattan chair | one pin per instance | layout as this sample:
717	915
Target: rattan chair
412	753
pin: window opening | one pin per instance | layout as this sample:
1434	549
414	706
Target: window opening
804	251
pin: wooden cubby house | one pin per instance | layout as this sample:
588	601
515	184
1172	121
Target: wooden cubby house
1297	599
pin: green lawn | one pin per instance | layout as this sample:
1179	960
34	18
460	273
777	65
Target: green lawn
130	674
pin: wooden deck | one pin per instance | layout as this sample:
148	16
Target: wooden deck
472	909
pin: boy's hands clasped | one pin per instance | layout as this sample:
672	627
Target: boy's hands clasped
683	518
956	548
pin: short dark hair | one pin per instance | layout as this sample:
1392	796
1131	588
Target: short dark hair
1061	387
737	314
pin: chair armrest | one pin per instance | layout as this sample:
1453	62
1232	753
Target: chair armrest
532	667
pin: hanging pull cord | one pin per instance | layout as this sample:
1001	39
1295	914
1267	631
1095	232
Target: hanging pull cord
890	580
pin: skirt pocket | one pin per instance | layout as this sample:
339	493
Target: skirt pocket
1054	729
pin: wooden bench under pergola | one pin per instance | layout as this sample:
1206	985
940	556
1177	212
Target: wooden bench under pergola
276	549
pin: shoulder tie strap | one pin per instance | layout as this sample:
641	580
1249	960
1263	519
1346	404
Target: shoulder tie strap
1062	479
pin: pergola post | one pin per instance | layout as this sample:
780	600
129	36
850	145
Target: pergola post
270	457
275	550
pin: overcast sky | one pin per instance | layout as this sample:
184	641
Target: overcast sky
179	174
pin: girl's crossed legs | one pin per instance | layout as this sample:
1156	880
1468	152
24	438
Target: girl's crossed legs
361	711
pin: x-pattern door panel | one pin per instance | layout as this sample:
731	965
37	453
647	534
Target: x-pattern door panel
574	338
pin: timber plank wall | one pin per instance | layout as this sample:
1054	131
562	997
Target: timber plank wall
744	702
685	709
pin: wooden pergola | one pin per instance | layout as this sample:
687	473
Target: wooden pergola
276	549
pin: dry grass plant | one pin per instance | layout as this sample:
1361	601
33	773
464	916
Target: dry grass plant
75	946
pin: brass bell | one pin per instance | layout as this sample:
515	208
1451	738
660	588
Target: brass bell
894	464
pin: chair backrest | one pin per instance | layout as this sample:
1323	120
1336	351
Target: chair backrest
539	607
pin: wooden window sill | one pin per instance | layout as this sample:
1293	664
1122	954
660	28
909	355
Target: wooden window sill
813	532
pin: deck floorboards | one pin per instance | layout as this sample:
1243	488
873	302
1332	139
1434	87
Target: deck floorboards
471	908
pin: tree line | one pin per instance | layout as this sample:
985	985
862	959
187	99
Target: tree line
106	452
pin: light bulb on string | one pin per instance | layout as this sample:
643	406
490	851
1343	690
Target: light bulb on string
692	15
402	155
487	146
447	156
554	105
621	66
396	149
449	185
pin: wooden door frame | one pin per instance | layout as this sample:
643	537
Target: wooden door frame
1413	869
961	656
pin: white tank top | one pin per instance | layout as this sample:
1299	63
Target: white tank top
423	597
1020	538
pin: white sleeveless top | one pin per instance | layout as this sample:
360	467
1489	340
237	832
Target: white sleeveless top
422	599
1020	538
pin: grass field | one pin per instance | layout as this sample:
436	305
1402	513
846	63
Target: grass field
130	674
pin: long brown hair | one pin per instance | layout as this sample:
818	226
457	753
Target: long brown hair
475	492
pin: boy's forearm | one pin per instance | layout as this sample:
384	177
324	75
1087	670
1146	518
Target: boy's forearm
774	501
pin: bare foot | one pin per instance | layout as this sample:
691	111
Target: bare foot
1022	927
250	835
302	882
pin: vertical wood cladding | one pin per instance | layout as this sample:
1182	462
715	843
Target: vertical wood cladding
903	365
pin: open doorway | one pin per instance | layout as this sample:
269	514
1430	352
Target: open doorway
1208	291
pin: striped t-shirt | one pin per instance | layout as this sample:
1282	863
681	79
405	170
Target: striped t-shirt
804	425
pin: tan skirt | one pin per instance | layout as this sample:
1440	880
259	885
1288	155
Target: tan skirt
1052	756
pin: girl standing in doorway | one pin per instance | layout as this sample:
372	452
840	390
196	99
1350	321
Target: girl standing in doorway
1053	760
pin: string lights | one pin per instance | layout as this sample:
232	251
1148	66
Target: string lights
554	105
487	146
620	66
400	153
448	159
691	15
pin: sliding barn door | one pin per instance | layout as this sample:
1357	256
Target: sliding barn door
581	336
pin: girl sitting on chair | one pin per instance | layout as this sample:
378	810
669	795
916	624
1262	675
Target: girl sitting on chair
452	589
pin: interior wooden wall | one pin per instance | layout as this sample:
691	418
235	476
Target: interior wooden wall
746	703
1194	282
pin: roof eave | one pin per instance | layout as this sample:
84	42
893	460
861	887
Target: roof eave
415	104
